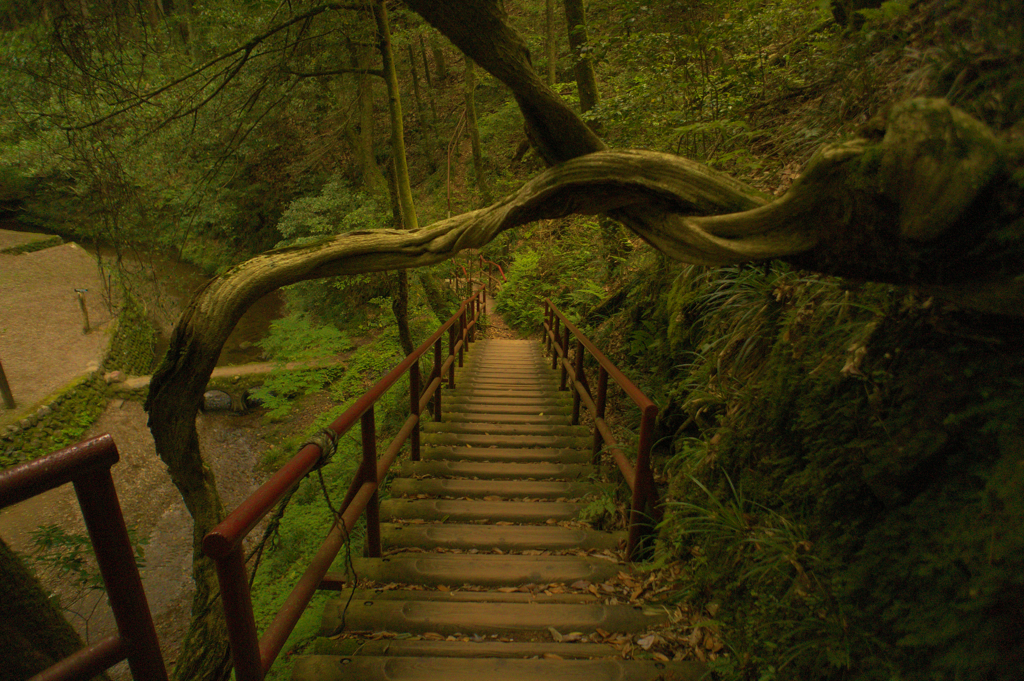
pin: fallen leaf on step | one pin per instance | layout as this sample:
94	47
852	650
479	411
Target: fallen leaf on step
660	657
442	587
555	635
552	656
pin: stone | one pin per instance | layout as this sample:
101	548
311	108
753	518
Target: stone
114	377
44	411
25	423
216	400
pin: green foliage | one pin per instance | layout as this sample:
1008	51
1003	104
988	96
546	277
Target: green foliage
337	208
296	340
132	349
520	300
69	557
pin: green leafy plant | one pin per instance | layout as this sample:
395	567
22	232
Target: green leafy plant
305	355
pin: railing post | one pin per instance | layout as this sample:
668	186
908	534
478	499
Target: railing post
602	394
237	601
414	407
641	509
565	353
104	521
368	429
554	340
462	334
547	325
578	367
451	353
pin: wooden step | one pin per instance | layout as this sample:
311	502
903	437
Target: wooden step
554	408
543	470
451	416
520	620
507	454
506	489
507	538
506	440
456	510
335	668
457	569
505	429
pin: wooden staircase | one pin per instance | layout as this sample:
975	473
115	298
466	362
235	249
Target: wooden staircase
487	572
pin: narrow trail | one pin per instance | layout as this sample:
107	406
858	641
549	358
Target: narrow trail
487	572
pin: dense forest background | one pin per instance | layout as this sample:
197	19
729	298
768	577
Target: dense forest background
843	460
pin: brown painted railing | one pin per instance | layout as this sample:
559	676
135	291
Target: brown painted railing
87	466
645	510
253	656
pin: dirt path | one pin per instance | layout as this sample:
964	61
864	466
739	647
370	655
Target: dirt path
39	358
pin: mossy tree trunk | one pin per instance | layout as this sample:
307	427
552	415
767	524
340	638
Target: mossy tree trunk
361	138
474	132
550	46
579	45
400	185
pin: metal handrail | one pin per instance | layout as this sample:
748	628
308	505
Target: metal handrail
253	656
87	466
645	509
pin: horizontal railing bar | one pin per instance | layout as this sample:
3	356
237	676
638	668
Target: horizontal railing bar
226	535
627	385
431	389
220	541
385	461
448	362
277	633
87	662
623	462
28	479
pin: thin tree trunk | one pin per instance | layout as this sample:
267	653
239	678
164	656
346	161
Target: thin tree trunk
373	178
438	52
586	81
550	48
426	63
474	132
427	134
403	209
380	15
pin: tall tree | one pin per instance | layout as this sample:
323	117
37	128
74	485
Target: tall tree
579	44
550	46
474	132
